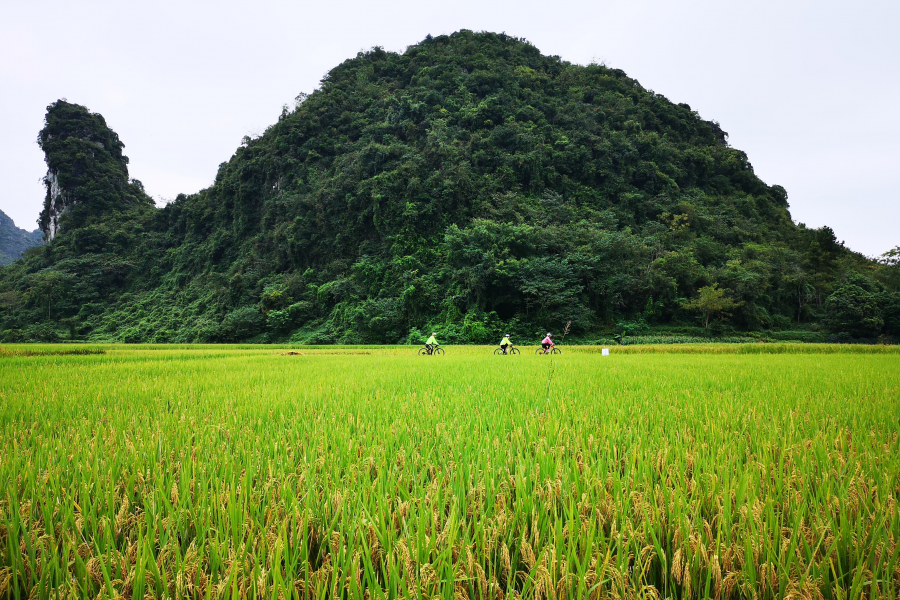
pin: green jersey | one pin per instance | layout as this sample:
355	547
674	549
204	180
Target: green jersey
432	341
505	342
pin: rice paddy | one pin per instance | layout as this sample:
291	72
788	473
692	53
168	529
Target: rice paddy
751	471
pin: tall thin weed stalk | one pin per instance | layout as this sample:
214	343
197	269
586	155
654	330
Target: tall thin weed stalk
553	363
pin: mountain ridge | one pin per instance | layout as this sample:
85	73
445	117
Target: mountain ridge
469	184
14	241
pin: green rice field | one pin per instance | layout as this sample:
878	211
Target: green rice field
741	471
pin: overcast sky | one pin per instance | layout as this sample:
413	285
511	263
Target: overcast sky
810	90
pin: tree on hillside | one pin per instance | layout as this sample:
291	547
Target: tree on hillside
888	270
551	288
711	303
49	283
853	310
889	303
891	258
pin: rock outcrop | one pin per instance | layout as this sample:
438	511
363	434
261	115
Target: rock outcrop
57	204
84	164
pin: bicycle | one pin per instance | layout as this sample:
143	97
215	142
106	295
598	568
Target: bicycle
423	351
512	350
550	350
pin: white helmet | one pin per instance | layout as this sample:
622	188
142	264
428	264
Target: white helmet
507	335
549	335
433	333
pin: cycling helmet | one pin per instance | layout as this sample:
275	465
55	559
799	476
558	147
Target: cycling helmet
549	335
433	333
507	335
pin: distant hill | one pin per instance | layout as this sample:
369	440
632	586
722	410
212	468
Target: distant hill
14	241
470	186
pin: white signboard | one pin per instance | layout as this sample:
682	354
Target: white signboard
605	352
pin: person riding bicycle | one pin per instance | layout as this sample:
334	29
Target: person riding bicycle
547	343
432	343
505	344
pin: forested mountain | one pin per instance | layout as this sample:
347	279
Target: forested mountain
469	185
14	241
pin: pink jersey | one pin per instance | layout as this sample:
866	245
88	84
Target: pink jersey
547	340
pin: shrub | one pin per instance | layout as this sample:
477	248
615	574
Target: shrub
242	323
288	318
811	337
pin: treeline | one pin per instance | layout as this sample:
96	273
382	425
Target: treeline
469	185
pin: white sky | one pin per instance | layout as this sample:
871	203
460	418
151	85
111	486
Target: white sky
809	89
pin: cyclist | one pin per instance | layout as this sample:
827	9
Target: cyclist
505	344
432	343
547	343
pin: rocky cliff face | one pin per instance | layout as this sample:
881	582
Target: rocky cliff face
57	204
14	241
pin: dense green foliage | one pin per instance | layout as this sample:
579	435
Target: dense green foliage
14	241
85	158
221	472
469	185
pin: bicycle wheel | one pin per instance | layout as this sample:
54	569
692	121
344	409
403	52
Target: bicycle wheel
539	351
555	351
423	351
515	351
498	351
439	351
